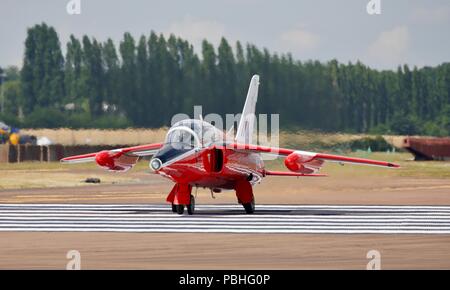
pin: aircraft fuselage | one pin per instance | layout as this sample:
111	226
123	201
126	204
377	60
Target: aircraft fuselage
218	168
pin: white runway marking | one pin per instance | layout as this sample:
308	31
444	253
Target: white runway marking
317	219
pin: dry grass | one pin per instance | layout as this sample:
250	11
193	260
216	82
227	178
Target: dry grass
100	137
308	139
408	167
297	139
54	174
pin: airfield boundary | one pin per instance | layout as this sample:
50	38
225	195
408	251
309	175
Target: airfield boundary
66	136
49	153
73	142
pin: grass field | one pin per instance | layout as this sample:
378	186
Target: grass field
409	168
293	139
53	174
66	136
41	175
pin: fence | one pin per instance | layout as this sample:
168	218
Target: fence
21	153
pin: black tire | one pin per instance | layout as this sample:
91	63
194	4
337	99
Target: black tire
180	208
249	207
191	206
174	208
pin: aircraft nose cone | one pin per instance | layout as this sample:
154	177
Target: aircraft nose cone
155	164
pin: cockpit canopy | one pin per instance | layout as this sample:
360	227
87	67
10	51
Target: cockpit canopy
192	133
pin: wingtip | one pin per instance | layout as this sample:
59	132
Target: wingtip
393	165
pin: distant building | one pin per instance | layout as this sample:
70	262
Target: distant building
428	148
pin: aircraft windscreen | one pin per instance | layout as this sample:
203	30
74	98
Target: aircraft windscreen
181	138
205	133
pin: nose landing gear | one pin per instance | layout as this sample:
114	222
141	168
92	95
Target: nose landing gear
181	197
179	208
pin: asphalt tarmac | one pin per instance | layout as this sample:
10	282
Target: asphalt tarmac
330	223
268	219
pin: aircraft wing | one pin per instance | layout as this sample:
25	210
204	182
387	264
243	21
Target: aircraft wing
116	159
284	173
307	162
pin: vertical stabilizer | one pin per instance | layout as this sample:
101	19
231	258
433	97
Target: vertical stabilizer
245	129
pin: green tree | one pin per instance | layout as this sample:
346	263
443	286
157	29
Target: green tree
13	97
42	77
93	75
142	85
146	83
72	71
209	77
112	72
226	67
128	91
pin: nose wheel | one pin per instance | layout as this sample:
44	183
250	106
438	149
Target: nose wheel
179	208
191	207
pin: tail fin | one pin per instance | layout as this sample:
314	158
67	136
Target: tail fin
244	134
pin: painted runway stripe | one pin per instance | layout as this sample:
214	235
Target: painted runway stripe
225	206
218	220
228	217
220	205
293	219
201	224
231	216
267	210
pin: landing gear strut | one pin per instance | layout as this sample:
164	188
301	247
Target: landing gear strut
244	194
191	207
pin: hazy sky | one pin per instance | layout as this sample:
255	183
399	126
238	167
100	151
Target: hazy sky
407	31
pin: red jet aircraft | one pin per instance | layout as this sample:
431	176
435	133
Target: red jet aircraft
197	154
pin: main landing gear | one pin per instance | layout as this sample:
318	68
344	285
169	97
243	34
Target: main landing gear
249	207
180	197
244	194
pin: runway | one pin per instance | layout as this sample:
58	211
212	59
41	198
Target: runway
295	219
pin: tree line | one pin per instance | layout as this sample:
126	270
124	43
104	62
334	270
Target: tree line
143	82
